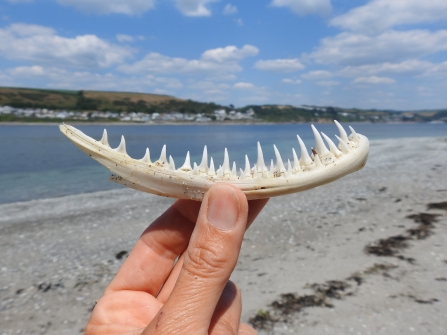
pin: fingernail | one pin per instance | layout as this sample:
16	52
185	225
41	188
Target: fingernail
223	207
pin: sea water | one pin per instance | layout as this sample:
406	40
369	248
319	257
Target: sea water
38	161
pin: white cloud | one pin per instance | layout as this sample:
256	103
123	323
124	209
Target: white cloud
229	9
243	85
41	45
63	78
230	53
407	67
374	80
213	61
316	75
291	81
328	83
305	7
380	15
392	46
129	7
279	65
194	7
123	38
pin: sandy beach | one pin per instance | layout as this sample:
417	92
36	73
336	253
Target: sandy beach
366	254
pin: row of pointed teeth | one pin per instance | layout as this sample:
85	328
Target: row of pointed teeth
305	162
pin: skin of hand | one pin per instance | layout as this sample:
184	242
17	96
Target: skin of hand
176	278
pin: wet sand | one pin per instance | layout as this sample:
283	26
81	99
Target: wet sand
364	255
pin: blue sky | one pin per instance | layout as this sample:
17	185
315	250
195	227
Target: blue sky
365	54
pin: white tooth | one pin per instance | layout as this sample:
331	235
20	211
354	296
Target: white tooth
122	147
354	135
211	169
233	170
320	147
343	145
289	169
272	168
332	146
226	163
219	172
195	171
305	158
242	174
342	131
316	157
247	171
260	165
279	163
296	162
162	158
104	140
187	165
171	163
203	167
147	157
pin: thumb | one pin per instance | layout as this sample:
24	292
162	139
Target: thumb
208	263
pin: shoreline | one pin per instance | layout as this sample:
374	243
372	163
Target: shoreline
187	123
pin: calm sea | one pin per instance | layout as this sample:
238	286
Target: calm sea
39	162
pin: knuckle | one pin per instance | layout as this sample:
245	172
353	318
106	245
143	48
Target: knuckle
205	261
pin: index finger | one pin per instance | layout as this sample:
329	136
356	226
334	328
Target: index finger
152	258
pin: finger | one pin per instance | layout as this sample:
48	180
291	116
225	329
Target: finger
167	288
209	260
245	329
152	258
254	207
225	320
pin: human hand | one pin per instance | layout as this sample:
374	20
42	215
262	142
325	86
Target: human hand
154	294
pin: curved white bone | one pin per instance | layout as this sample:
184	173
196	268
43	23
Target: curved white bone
161	178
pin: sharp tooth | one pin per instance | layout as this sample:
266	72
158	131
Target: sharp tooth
187	165
342	131
147	157
320	147
260	165
296	162
332	146
104	140
219	172
203	167
305	158
162	158
289	169
317	160
195	171
242	174
354	137
171	163
211	170
233	170
279	163
247	171
122	147
343	145
226	163
272	169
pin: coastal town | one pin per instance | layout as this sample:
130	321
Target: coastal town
174	116
262	114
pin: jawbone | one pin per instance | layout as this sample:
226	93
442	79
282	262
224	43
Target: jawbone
191	182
